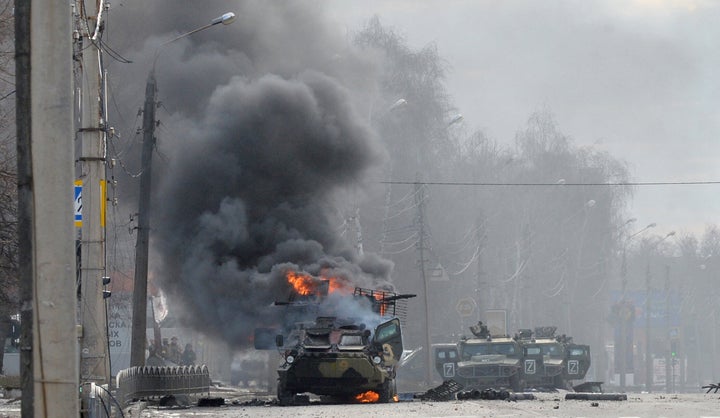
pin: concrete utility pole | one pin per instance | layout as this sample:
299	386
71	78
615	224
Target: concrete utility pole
139	320
94	356
45	179
420	203
26	268
648	349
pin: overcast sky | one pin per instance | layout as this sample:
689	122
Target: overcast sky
637	78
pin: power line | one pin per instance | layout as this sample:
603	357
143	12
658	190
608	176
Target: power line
461	183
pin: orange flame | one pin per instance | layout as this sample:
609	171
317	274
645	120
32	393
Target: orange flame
383	305
368	397
305	284
302	283
396	398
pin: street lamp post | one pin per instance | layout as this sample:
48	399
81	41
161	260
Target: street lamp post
139	317
622	359
420	202
648	350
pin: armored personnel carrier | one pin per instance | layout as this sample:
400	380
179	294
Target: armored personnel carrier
340	359
347	359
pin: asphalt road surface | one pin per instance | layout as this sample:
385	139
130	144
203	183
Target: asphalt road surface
643	405
545	405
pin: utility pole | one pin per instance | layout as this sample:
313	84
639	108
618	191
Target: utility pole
648	350
49	365
139	310
622	342
139	318
668	353
94	355
420	203
483	287
26	268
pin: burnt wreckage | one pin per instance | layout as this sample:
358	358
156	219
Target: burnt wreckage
344	358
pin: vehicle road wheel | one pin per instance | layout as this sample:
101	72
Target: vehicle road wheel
516	384
387	391
285	397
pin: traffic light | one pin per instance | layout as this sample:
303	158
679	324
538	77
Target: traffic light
673	348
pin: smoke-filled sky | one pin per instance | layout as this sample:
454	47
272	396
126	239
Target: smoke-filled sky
264	122
261	135
634	77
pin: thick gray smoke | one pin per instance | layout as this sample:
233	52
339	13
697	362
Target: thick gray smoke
251	187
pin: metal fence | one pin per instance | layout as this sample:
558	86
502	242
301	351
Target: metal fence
149	382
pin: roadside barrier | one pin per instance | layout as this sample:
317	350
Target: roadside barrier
145	382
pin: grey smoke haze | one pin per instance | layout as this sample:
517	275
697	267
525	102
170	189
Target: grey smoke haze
633	77
263	145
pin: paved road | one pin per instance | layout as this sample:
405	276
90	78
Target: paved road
698	405
546	405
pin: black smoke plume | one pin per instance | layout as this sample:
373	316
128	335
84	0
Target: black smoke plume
253	181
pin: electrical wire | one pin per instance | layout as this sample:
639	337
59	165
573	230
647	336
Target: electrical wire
404	241
515	275
478	251
112	53
403	250
114	400
620	184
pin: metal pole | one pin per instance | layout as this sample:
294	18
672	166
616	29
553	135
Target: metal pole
623	324
26	269
94	357
46	149
420	196
139	318
139	321
668	356
648	351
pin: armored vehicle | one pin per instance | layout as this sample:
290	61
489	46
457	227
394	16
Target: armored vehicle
577	362
551	362
347	359
543	360
482	362
341	359
538	359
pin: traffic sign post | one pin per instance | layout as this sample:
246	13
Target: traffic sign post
465	307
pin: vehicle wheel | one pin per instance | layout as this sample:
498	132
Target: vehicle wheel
560	383
516	384
285	397
387	391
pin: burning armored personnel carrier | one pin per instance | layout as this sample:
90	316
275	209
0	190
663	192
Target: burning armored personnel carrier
344	358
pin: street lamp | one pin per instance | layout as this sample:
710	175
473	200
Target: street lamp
455	119
420	201
648	351
623	268
624	315
139	317
710	306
